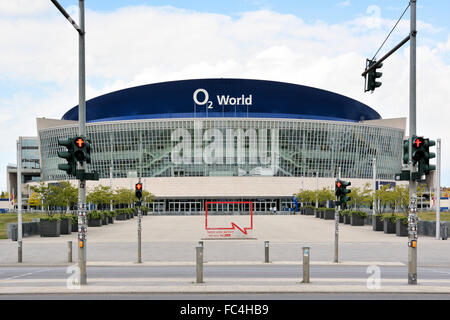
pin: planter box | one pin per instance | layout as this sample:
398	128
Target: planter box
105	220
75	227
111	220
316	213
341	218
28	229
356	220
401	230
121	216
322	214
66	226
50	228
309	211
368	220
377	224
94	222
329	215
346	219
388	226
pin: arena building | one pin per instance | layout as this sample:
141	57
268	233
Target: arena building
193	141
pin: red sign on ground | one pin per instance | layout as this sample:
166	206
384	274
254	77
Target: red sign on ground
228	226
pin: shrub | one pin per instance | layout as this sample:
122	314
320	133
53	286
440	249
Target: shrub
51	218
390	216
359	213
94	215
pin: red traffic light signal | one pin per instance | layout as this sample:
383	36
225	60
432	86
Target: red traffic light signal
139	186
79	142
418	142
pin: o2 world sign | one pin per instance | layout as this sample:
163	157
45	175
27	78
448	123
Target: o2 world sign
201	98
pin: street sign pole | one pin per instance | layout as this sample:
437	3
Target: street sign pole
412	217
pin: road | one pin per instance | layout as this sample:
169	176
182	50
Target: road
260	274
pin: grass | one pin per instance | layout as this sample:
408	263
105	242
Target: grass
6	218
431	216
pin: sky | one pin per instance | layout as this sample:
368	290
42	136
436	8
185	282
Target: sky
322	44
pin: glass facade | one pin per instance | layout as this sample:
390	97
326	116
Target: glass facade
30	153
231	147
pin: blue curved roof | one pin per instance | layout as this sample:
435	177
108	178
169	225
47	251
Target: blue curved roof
223	98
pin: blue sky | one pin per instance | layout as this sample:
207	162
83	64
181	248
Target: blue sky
318	43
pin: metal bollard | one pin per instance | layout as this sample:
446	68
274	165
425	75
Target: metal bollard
69	251
200	243
266	251
199	253
306	253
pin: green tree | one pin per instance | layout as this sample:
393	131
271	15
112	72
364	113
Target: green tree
123	196
385	197
325	194
34	200
401	196
100	196
360	197
43	191
305	196
147	197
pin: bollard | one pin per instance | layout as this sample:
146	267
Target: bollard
266	251
306	253
200	243
199	252
69	251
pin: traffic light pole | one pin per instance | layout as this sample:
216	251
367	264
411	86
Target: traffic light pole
139	229
82	131
81	166
437	192
336	226
412	217
19	200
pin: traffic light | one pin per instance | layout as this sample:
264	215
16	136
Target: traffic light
424	166
341	192
71	166
405	152
80	152
418	150
372	76
138	190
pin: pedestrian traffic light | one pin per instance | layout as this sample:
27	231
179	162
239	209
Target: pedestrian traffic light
80	149
372	76
138	190
341	192
71	166
418	150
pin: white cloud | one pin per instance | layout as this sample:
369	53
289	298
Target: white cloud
345	3
139	45
23	7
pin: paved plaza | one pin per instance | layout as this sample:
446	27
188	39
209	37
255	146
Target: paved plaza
174	238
